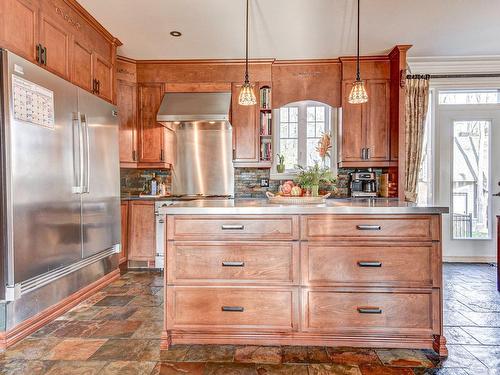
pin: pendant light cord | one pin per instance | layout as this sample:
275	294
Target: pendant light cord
358	76
246	48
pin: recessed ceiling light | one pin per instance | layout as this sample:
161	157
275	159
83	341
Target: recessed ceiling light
175	33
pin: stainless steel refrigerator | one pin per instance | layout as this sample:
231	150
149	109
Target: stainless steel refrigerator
60	188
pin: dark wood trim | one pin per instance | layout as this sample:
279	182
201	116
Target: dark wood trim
37	321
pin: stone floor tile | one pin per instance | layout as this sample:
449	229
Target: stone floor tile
485	335
151	300
151	351
31	348
114	301
82	313
458	335
328	369
282	369
459	357
47	329
175	353
128	368
116	313
93	299
403	358
258	354
456	319
210	353
116	329
184	368
373	369
230	369
23	367
77	328
148	313
121	350
484	319
76	368
74	349
305	354
149	330
355	356
488	355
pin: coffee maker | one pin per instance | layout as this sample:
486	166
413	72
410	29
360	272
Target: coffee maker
363	184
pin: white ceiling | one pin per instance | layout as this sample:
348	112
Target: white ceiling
294	29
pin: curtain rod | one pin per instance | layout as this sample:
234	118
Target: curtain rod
437	76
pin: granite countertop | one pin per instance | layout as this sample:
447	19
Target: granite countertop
332	206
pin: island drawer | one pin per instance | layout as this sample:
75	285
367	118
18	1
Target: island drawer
410	264
202	308
241	227
370	227
233	262
371	312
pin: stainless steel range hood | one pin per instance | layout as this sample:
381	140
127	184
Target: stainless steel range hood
206	106
203	165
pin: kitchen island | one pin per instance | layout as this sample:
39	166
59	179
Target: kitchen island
363	273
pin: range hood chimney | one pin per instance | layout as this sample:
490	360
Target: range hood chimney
187	107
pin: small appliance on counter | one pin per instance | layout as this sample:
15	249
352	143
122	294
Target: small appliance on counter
363	184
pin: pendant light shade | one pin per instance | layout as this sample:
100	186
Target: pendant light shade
358	94
247	95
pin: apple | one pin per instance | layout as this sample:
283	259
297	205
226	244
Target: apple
296	191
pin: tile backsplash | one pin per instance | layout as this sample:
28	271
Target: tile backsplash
132	181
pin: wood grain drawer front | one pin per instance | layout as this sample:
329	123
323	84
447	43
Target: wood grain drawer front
232	308
358	227
326	264
264	262
234	227
368	311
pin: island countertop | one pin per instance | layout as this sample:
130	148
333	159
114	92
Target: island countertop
332	206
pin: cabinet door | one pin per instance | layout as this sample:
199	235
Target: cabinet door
245	129
56	41
126	100
124	227
150	131
19	27
376	120
103	74
351	131
81	74
141	230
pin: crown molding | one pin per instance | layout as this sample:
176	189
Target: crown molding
455	65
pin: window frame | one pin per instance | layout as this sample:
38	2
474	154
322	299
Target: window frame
331	117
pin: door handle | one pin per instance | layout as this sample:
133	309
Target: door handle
232	227
233	264
78	167
98	85
233	308
39	53
369	310
369	264
86	187
368	154
43	55
368	227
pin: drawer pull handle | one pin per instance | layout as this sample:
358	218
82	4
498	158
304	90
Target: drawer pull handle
233	227
233	264
368	227
370	264
233	308
369	310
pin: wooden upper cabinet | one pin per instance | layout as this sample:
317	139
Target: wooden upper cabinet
245	128
55	41
351	134
141	231
19	27
103	74
376	120
150	131
126	101
82	66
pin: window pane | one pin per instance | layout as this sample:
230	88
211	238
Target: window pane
293	126
284	114
311	129
320	129
320	113
469	97
471	176
311	115
289	148
283	130
294	114
312	154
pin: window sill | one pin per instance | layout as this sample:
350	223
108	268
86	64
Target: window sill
282	176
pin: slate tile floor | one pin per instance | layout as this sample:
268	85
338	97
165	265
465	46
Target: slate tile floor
117	331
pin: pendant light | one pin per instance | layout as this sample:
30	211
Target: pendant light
358	93
247	96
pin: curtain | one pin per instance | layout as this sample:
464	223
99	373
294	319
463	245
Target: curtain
417	101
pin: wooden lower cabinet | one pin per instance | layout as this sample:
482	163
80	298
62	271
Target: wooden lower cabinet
304	280
124	227
141	231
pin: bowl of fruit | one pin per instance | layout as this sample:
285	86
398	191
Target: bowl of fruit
292	193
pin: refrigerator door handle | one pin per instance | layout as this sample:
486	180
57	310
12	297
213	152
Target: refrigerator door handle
78	166
86	159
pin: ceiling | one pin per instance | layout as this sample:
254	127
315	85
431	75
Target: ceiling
295	29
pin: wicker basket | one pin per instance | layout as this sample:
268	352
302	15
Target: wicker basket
279	199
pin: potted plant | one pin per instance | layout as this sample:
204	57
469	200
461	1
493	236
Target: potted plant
280	167
312	177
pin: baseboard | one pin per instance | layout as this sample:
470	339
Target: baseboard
37	321
469	259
